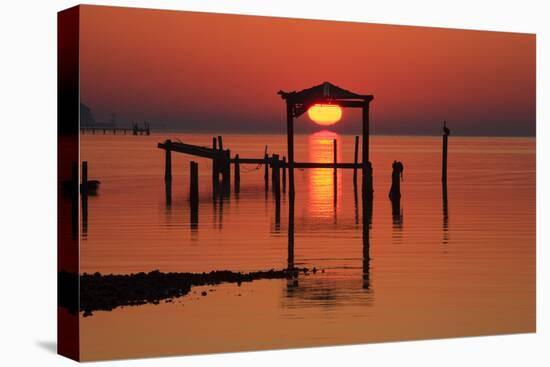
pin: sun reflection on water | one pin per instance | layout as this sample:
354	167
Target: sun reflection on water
323	198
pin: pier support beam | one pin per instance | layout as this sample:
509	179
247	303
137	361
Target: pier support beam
367	166
290	143
168	161
194	184
194	195
335	173
84	195
266	171
284	174
226	170
274	168
444	160
215	173
355	160
237	174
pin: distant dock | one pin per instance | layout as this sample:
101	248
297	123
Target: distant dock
134	130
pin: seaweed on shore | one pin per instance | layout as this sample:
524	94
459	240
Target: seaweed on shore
106	292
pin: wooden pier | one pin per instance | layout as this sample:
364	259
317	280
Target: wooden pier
222	160
134	130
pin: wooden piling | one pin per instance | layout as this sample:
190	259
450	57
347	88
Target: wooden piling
84	173
84	196
355	159
284	174
276	173
366	165
444	160
366	185
335	153
220	142
215	172
226	170
194	183
335	173
395	189
274	167
290	143
194	195
237	174
168	161
266	171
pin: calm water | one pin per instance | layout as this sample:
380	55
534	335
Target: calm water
438	269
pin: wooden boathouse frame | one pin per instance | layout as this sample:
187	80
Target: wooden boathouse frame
297	103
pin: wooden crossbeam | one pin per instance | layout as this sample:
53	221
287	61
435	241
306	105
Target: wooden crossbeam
196	150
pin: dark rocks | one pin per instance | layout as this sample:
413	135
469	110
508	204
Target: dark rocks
106	292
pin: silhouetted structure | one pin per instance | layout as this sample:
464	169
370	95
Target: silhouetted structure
135	129
297	103
396	178
194	194
445	214
446	133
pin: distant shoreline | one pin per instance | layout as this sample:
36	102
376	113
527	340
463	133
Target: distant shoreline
155	131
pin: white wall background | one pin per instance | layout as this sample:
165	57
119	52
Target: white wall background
28	176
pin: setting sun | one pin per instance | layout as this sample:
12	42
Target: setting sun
324	114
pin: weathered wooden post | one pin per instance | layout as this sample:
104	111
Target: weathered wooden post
277	176
237	174
335	153
274	167
355	159
194	195
266	171
215	172
194	183
168	160
226	170
335	173
366	165
290	143
446	133
220	142
84	195
84	186
284	174
395	189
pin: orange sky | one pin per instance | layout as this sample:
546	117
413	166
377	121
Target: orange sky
199	71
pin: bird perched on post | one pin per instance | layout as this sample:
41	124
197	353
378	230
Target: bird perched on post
446	130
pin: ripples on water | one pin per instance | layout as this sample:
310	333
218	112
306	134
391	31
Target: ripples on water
454	263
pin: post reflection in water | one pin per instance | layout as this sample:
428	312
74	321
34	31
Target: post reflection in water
445	215
367	220
291	283
194	217
397	219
